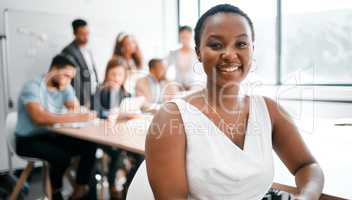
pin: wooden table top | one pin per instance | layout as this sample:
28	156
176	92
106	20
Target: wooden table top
129	135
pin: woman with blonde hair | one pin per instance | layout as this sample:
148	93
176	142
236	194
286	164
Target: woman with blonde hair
127	47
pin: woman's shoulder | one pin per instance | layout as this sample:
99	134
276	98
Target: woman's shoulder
196	99
172	111
276	111
269	102
166	127
169	110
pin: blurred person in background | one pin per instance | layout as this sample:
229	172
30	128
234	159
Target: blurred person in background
154	87
108	99
86	79
183	62
43	102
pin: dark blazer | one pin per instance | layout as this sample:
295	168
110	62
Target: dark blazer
105	99
82	82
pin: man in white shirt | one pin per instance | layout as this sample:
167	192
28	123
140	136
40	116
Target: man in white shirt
86	80
154	87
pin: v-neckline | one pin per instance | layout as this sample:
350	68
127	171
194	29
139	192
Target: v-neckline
245	143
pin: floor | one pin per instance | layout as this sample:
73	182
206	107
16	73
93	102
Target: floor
34	187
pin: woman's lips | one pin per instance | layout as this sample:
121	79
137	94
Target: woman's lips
228	68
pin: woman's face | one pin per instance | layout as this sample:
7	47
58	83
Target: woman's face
185	38
128	46
116	76
226	49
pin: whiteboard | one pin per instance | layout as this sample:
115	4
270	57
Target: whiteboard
34	38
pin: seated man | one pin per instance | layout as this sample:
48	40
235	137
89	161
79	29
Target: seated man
44	101
154	87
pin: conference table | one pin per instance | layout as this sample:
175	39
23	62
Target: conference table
128	134
323	137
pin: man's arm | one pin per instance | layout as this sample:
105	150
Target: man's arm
41	116
142	88
72	105
75	83
71	102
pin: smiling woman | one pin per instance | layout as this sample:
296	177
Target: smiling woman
230	52
216	143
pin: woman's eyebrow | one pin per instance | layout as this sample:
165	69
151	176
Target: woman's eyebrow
220	37
214	36
242	35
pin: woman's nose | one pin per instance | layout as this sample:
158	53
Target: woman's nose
229	55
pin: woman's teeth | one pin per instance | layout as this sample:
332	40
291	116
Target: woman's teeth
228	69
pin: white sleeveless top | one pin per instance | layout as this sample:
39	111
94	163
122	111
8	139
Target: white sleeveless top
216	167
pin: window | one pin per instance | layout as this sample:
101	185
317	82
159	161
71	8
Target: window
316	45
188	12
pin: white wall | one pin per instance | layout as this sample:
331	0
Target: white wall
152	22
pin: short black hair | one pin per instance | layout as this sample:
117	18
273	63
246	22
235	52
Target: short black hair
184	28
152	62
61	61
77	23
221	8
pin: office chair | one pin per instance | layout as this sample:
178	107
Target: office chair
10	136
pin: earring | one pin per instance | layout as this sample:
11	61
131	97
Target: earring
254	65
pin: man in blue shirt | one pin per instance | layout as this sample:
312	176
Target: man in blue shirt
44	101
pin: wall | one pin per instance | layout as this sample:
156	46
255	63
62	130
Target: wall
156	19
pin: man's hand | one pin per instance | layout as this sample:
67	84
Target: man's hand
86	116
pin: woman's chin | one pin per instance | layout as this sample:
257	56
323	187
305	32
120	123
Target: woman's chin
228	80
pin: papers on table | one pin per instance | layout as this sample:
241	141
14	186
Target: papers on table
76	124
132	105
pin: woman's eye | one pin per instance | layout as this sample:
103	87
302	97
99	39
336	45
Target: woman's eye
215	45
241	45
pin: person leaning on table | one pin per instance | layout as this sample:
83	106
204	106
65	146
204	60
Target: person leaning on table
45	101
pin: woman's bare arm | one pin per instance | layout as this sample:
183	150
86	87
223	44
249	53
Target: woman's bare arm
165	155
290	147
